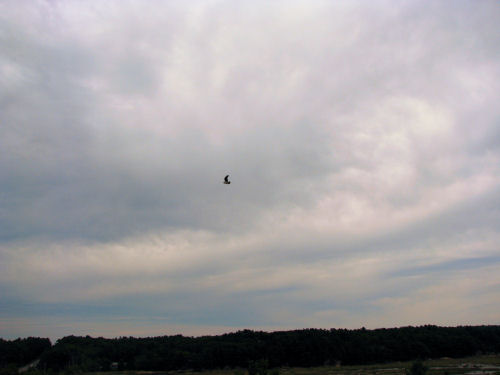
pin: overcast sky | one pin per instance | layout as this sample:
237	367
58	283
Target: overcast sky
362	139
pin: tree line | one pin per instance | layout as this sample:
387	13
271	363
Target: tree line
244	349
19	352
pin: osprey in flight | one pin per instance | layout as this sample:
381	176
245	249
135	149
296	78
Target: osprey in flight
226	180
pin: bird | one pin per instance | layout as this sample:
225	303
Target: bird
226	180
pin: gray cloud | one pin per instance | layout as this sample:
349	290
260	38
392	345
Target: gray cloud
362	143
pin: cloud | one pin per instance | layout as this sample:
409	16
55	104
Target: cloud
361	140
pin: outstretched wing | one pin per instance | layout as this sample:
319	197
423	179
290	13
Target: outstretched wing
226	178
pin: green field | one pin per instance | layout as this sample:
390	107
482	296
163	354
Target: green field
477	365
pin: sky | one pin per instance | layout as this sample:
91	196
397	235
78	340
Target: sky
362	140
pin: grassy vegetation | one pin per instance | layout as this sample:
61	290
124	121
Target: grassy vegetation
477	365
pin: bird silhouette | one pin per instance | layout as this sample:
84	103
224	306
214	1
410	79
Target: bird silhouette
226	180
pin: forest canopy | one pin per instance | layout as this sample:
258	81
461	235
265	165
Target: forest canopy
302	348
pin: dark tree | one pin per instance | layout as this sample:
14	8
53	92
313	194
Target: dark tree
307	347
